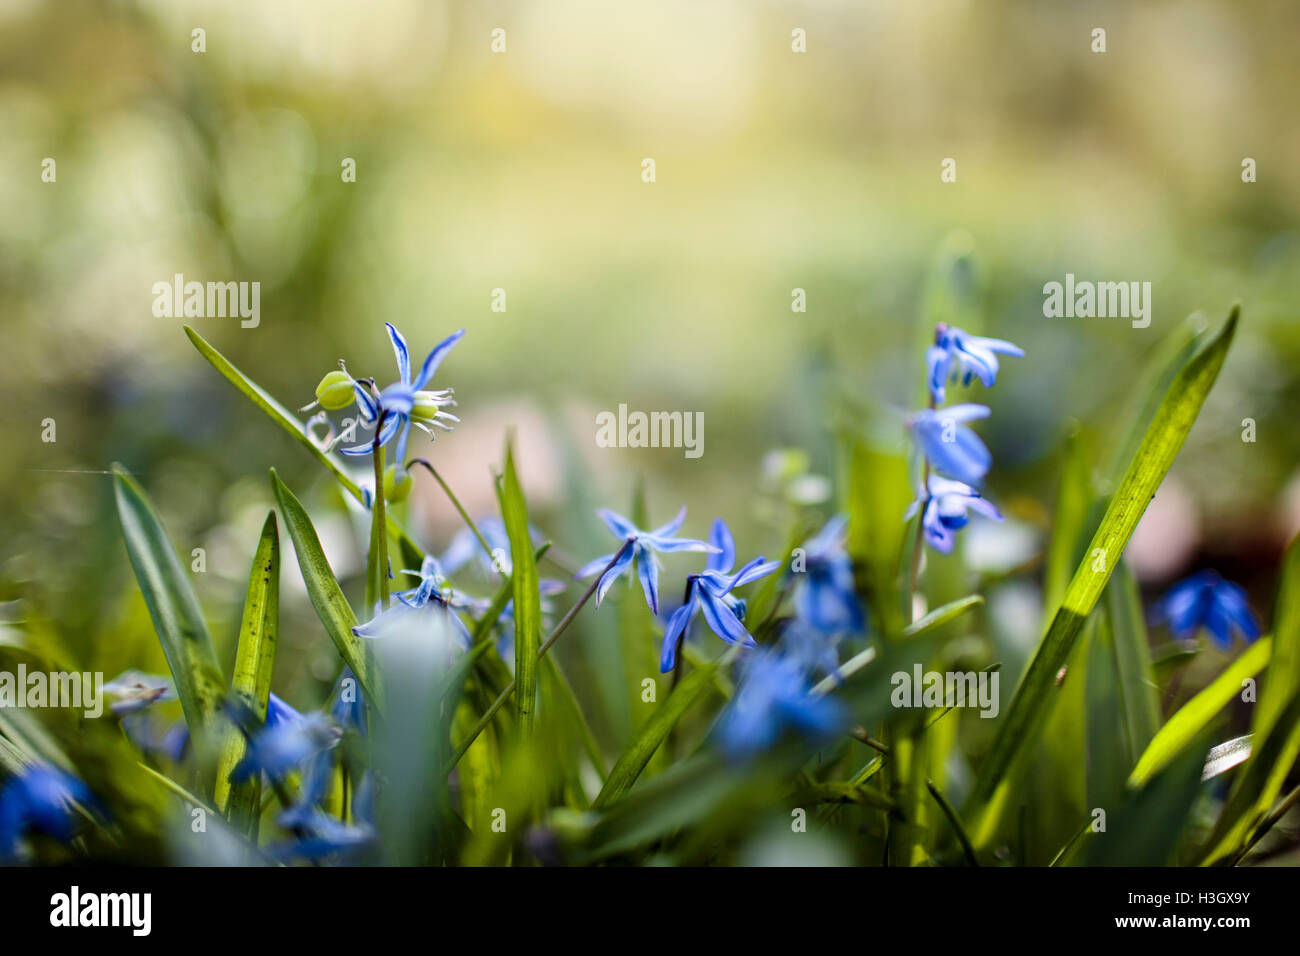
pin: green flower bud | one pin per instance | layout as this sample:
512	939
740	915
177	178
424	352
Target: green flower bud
335	391
397	484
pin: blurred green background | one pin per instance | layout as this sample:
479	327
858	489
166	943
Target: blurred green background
521	171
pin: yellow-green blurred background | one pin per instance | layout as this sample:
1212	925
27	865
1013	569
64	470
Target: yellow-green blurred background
522	171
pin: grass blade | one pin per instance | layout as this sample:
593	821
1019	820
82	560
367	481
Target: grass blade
527	595
172	605
323	588
251	684
1161	444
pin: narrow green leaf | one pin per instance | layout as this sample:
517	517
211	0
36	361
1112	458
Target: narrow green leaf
1195	715
1164	438
172	604
1069	521
1140	704
1223	757
251	684
323	588
527	595
652	733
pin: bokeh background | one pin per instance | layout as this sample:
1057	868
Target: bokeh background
521	170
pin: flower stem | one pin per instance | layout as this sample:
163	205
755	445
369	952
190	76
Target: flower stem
469	522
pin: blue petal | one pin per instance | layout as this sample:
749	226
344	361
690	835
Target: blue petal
648	571
720	537
677	625
434	359
402	352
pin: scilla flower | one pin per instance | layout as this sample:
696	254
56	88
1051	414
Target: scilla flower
287	740
41	798
710	592
431	597
956	353
946	504
774	696
407	402
952	449
645	545
1205	600
465	547
824	593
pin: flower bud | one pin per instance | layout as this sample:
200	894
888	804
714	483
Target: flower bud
397	484
335	390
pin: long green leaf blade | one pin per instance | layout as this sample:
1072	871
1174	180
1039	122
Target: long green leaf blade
251	684
323	588
172	605
527	595
1164	438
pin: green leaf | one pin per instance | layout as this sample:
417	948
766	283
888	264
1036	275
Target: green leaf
172	604
1069	520
323	589
1139	700
527	595
1195	715
1030	704
653	732
251	684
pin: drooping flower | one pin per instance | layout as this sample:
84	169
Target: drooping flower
946	504
407	402
1206	600
952	449
431	598
824	597
285	742
135	691
957	353
774	696
645	546
349	705
40	798
710	592
318	835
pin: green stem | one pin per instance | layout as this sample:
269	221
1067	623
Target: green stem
955	822
469	522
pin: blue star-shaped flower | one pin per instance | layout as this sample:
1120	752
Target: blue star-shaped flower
1206	600
952	449
958	353
431	596
945	507
645	545
407	401
825	599
710	592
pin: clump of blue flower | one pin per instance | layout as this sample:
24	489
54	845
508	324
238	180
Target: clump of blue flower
645	545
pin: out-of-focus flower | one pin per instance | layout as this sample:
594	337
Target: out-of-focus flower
349	706
774	696
466	547
945	507
40	798
952	449
407	402
286	742
824	597
1206	600
645	546
135	691
958	353
710	592
431	597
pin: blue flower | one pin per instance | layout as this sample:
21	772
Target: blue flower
349	706
952	449
958	353
645	545
710	592
774	696
465	546
40	797
319	836
431	598
407	401
825	599
1205	600
945	511
285	742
